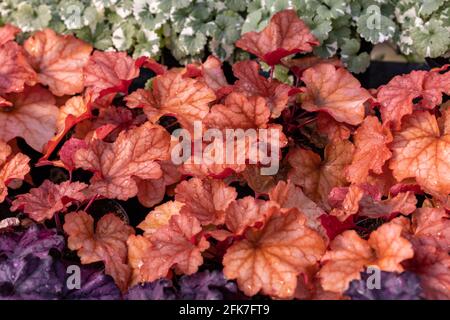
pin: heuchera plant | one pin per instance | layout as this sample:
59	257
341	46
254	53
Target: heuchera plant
363	180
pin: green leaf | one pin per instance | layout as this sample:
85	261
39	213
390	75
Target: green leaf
358	63
122	37
252	21
350	47
427	7
431	40
236	5
375	27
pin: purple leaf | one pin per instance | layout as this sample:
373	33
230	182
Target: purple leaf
205	285
393	286
161	289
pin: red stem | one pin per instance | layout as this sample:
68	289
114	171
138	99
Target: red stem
90	202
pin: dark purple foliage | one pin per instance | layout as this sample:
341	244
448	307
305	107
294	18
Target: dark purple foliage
393	286
206	285
161	289
35	240
28	271
94	285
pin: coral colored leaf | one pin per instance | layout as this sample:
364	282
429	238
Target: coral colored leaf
371	141
42	203
349	254
11	167
248	212
75	110
269	260
174	245
317	177
421	150
288	196
336	92
364	201
68	150
286	34
5	151
238	111
335	131
133	154
433	222
32	117
205	199
397	97
212	74
151	192
5	103
172	94
59	60
297	66
107	243
346	258
15	71
110	72
8	33
160	217
251	83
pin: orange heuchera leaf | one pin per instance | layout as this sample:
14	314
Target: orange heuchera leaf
107	243
288	196
421	150
133	154
32	117
152	192
248	212
364	201
336	92
205	199
433	222
212	74
251	83
15	71
75	110
371	140
269	260
177	244
11	167
59	60
286	34
7	33
172	94
160	217
297	66
43	202
432	264
67	152
335	131
397	97
349	254
317	177
238	111
111	71
5	103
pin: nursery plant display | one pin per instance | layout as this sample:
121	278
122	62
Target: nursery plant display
192	29
160	182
